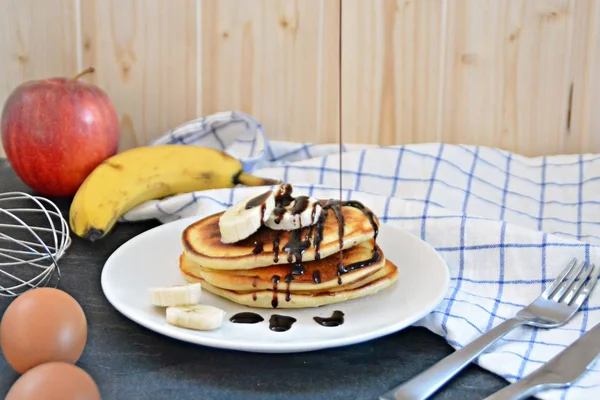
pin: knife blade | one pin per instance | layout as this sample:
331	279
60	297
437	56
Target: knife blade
561	371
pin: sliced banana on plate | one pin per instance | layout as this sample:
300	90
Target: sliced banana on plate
246	216
176	295
301	212
202	317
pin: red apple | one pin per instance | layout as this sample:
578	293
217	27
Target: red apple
56	131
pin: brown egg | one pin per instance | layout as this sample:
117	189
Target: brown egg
42	325
54	381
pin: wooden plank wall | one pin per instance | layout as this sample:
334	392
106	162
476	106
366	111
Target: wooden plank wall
522	75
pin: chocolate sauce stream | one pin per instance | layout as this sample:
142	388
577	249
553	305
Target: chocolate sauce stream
340	132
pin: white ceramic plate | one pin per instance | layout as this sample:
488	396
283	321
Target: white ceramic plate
151	260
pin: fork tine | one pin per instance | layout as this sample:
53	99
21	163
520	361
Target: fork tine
569	283
587	288
570	295
562	289
559	278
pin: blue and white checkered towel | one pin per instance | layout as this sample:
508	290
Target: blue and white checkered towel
505	224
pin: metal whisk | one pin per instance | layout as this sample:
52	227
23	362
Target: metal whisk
33	237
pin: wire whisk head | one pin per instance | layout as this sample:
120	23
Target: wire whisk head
33	237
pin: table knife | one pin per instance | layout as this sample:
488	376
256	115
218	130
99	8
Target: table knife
560	372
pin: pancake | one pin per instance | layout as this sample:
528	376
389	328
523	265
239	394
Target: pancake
202	240
360	261
378	281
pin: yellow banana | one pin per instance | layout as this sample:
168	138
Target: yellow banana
134	176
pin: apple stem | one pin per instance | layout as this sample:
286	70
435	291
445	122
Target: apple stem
85	71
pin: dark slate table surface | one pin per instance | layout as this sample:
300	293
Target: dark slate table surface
131	362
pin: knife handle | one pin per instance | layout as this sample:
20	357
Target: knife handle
429	381
526	387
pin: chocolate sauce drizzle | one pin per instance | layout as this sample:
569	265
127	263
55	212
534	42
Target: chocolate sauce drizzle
259	201
366	211
283	198
300	205
344	269
297	244
317	277
288	279
275	279
295	247
258	248
276	247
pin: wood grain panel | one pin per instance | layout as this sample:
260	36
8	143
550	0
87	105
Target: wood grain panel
506	78
583	121
276	60
391	64
144	52
542	85
36	41
523	75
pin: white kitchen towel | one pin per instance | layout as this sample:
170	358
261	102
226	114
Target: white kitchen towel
505	224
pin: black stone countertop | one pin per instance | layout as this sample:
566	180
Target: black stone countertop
131	362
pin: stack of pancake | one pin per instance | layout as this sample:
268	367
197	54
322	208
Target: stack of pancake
307	267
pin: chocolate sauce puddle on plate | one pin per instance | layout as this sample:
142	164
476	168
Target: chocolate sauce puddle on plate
336	319
281	323
246	318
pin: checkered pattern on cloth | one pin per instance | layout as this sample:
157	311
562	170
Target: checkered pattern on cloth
505	224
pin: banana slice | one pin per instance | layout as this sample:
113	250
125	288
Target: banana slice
246	217
302	211
176	295
199	317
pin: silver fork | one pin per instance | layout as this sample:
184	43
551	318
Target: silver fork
553	308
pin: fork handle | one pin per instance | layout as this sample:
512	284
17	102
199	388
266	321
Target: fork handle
429	381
